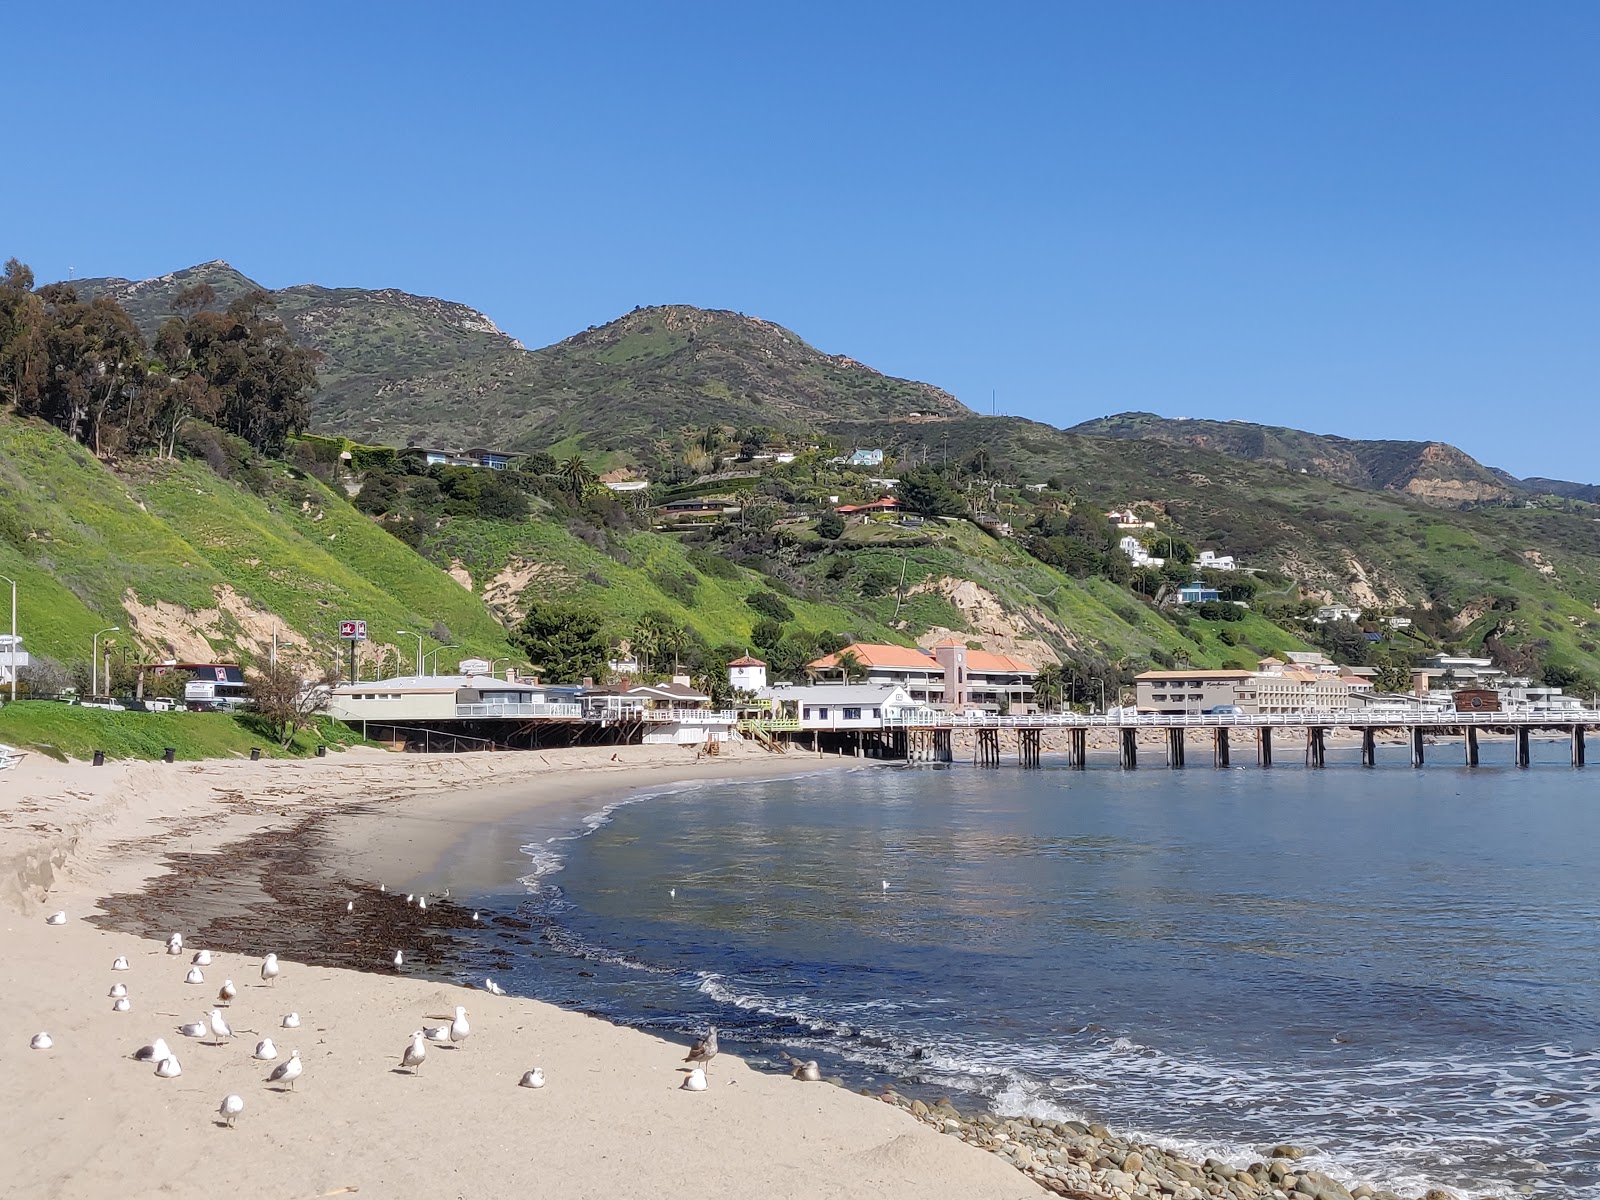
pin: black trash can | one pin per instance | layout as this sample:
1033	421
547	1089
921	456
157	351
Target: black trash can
322	752
99	758
255	753
169	754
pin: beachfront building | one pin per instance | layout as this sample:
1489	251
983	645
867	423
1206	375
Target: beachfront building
747	674
835	707
671	714
1313	685
1192	692
409	699
951	674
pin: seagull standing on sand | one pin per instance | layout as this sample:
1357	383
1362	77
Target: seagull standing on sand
493	988
532	1079
118	991
42	1041
219	1027
195	975
231	1107
290	1021
120	1004
704	1049
154	1052
269	969
227	992
265	1050
459	1029
175	943
695	1081
169	1068
56	918
415	1053
399	959
287	1072
202	958
119	963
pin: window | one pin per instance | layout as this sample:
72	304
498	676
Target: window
822	713
852	714
877	714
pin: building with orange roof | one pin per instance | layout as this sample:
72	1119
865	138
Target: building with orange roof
950	674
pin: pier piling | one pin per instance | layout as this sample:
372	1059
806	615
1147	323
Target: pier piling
1369	748
1219	749
1524	753
1472	745
1577	745
1416	747
1264	746
1130	749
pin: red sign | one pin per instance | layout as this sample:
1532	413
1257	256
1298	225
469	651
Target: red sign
353	631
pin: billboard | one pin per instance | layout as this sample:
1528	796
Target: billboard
353	631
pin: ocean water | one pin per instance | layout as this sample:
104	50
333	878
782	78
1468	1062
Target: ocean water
1398	967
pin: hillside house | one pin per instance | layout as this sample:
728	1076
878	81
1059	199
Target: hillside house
1197	593
859	458
1126	518
702	509
879	507
1330	613
1137	554
1210	560
478	456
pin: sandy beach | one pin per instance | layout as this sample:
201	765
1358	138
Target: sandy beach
611	1121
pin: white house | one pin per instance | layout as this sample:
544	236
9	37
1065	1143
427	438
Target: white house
407	698
1210	560
747	674
825	707
1134	549
1329	613
1126	518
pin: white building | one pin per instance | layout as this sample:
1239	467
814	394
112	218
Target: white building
1329	613
1127	519
747	674
1210	560
13	657
408	698
1137	554
825	707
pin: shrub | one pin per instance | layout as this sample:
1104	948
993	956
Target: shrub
770	605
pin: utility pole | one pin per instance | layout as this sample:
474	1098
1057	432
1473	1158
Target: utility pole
11	660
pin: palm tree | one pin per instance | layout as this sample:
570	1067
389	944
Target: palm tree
575	475
1048	686
850	666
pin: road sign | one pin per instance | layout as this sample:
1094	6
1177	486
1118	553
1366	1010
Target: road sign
353	631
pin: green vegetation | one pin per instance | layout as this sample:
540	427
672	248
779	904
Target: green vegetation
66	731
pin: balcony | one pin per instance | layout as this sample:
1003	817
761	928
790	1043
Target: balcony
551	712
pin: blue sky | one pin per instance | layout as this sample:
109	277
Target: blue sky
1371	219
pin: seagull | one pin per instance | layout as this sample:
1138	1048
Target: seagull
287	1072
422	902
56	918
231	1107
695	1081
436	1033
169	1068
807	1071
154	1052
884	883
194	1029
195	975
265	1050
672	893
227	992
349	906
119	963
415	1053
474	915
120	1004
219	1027
704	1049
118	991
42	1041
175	943
533	1078
290	1021
383	887
202	958
459	1029
269	968
493	988
411	898
399	959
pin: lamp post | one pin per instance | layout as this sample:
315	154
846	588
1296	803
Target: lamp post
1101	684
94	660
434	654
418	636
11	653
493	663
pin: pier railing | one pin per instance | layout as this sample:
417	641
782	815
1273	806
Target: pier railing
554	712
1345	719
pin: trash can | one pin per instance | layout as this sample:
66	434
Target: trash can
255	753
99	758
322	752
169	754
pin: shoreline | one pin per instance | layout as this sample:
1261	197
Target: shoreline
104	838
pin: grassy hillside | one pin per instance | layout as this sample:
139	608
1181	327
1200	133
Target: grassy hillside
189	564
62	732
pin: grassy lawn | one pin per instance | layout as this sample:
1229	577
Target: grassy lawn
65	731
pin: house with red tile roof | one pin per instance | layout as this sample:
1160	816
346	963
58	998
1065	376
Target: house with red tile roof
950	674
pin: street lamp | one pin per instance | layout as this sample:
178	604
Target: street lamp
11	654
434	654
493	663
94	660
418	636
1101	684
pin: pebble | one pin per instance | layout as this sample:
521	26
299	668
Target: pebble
1089	1162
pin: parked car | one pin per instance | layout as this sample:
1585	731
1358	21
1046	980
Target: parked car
1225	710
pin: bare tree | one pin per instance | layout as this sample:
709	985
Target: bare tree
286	701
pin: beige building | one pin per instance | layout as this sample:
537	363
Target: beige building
1192	692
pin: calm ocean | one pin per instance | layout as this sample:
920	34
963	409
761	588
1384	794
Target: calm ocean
1398	967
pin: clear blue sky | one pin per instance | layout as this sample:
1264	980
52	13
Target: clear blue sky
1375	219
